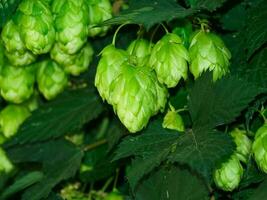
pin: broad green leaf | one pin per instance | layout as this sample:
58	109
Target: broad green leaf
65	114
22	183
213	104
210	5
150	12
97	165
7	9
202	151
54	196
256	27
145	144
260	192
60	160
173	184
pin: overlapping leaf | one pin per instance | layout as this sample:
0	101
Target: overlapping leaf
172	184
150	12
65	114
210	5
59	158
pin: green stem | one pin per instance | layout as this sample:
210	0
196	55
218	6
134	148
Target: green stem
104	188
116	178
166	30
116	32
181	110
95	145
263	116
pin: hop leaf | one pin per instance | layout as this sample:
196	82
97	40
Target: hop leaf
243	144
15	49
109	67
140	51
134	97
172	120
208	52
228	176
259	148
51	79
11	117
99	11
36	25
17	83
169	59
71	24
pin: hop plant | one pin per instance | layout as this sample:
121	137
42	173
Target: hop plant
208	52
169	59
99	11
259	148
243	144
184	30
51	79
11	117
228	176
15	49
17	83
35	22
172	120
109	67
140	50
6	165
134	97
33	102
71	24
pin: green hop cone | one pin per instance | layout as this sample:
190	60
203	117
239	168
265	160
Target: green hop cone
33	102
51	79
2	57
229	175
140	51
11	117
243	144
259	148
6	165
99	11
35	22
172	120
15	50
134	97
74	64
109	67
114	195
169	59
17	83
71	24
208	53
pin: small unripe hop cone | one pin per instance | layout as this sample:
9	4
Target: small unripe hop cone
259	148
229	175
172	120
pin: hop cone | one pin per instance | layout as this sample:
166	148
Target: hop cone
1	54
134	97
208	52
71	24
5	164
15	49
172	120
259	148
228	176
35	21
140	50
51	79
114	195
11	117
169	59
99	11
17	83
109	67
243	144
33	102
